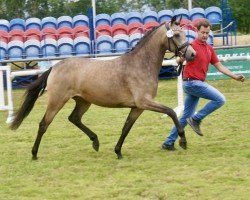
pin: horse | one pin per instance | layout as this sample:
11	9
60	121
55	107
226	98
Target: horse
129	81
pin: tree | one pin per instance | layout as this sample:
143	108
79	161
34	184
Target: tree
241	14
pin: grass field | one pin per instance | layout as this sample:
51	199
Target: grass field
216	166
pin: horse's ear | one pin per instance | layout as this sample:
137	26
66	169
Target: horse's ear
179	21
173	19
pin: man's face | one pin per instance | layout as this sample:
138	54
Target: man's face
203	33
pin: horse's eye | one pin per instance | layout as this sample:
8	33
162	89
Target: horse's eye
177	35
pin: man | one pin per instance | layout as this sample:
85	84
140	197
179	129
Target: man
194	75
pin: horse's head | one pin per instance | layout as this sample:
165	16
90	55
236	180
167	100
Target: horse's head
176	40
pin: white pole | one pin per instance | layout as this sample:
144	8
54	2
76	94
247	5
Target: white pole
10	97
94	14
189	5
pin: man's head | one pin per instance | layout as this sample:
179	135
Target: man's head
203	27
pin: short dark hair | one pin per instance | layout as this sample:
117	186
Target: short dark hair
203	22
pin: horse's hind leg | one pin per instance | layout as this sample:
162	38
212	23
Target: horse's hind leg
50	113
75	117
132	117
153	106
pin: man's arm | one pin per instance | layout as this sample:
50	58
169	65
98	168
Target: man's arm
226	71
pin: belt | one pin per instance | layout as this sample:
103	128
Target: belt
190	79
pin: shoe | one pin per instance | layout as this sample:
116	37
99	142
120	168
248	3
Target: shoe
195	126
168	147
183	143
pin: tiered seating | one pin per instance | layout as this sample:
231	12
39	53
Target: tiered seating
71	35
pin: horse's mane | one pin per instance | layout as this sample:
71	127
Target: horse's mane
144	39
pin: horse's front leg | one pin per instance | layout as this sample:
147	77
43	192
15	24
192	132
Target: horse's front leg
132	117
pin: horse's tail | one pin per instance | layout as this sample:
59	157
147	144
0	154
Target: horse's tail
30	97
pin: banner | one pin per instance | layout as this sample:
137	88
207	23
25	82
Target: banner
238	67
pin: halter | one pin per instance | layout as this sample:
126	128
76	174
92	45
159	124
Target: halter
170	34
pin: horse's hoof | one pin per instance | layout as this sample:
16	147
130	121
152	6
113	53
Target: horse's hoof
34	157
95	145
183	143
119	156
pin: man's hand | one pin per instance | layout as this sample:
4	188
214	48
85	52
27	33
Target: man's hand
180	60
239	77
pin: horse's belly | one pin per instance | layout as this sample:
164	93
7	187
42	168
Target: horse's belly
112	101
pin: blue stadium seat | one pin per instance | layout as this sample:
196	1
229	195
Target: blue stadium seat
214	15
65	46
80	20
118	18
134	39
134	17
49	47
102	19
210	39
15	49
182	12
32	48
195	13
104	44
64	21
149	16
49	22
82	45
3	50
17	24
165	16
33	23
121	43
4	25
190	35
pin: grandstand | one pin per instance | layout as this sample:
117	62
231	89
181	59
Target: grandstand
51	38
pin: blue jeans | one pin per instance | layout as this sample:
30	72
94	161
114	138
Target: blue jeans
194	91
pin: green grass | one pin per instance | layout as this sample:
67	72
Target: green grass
214	167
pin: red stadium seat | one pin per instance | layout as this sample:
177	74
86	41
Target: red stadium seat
103	29
65	32
16	34
81	31
135	27
195	21
149	25
186	24
119	29
4	36
33	33
49	33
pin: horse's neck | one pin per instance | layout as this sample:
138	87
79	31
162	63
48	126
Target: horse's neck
152	52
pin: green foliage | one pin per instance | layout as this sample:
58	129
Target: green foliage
241	14
10	9
214	167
